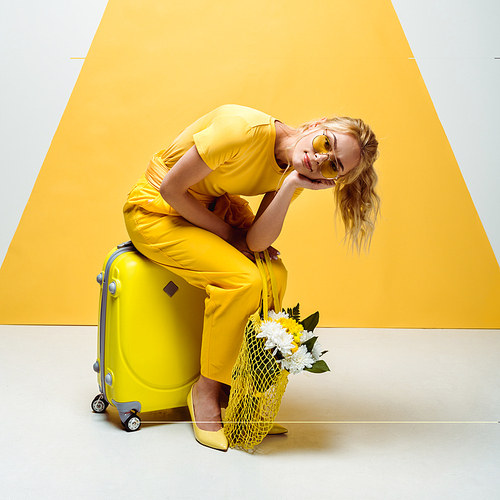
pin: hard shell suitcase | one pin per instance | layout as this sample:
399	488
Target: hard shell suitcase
149	336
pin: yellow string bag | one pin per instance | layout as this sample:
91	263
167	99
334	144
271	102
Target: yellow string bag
257	380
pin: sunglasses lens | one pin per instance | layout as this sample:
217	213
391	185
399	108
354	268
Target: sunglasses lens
329	170
321	144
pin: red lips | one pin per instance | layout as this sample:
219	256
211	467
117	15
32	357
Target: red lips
307	163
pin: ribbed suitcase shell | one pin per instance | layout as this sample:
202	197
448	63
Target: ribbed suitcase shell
149	337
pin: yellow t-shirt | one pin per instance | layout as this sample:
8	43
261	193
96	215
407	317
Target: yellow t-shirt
237	143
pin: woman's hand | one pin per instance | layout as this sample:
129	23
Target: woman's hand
273	253
301	181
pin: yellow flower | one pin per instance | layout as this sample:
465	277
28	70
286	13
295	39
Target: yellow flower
294	328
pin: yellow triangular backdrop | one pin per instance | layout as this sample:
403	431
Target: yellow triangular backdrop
154	67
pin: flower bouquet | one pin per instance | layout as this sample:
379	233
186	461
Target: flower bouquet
274	345
292	342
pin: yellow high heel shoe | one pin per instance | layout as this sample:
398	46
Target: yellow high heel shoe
277	429
212	439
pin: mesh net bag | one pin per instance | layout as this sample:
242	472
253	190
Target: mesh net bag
257	380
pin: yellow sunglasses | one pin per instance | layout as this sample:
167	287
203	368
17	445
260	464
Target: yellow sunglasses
329	168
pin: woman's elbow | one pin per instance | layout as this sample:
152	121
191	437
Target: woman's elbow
167	191
254	245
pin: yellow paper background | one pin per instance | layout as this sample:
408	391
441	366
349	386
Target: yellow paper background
154	67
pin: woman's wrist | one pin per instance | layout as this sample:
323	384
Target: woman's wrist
227	232
291	182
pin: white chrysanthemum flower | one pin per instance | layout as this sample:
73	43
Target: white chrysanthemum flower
316	351
283	342
277	315
277	338
269	329
299	360
306	336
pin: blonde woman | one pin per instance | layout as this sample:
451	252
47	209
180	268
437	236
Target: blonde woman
186	214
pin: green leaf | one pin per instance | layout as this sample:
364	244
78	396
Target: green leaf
310	343
311	322
318	367
294	313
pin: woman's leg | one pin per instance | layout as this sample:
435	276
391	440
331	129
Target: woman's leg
233	285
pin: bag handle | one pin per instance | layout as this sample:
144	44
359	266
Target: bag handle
274	287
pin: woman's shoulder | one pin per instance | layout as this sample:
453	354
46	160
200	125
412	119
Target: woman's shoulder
252	117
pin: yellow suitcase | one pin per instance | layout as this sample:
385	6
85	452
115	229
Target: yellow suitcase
149	336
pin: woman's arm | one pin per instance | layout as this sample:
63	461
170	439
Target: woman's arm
274	207
189	170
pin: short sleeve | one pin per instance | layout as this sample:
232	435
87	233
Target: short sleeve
222	140
297	193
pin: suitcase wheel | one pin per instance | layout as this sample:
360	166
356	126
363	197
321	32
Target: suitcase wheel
132	423
99	404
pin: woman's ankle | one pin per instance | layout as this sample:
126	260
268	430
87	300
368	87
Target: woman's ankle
206	404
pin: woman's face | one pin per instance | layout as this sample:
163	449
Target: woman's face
343	149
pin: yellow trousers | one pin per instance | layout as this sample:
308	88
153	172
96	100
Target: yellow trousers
232	281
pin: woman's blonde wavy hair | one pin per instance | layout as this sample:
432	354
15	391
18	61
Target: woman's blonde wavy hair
355	195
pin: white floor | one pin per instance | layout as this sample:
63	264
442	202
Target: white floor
404	414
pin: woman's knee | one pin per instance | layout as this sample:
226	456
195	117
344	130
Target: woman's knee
253	281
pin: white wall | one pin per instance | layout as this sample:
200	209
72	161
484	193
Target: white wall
455	43
38	40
